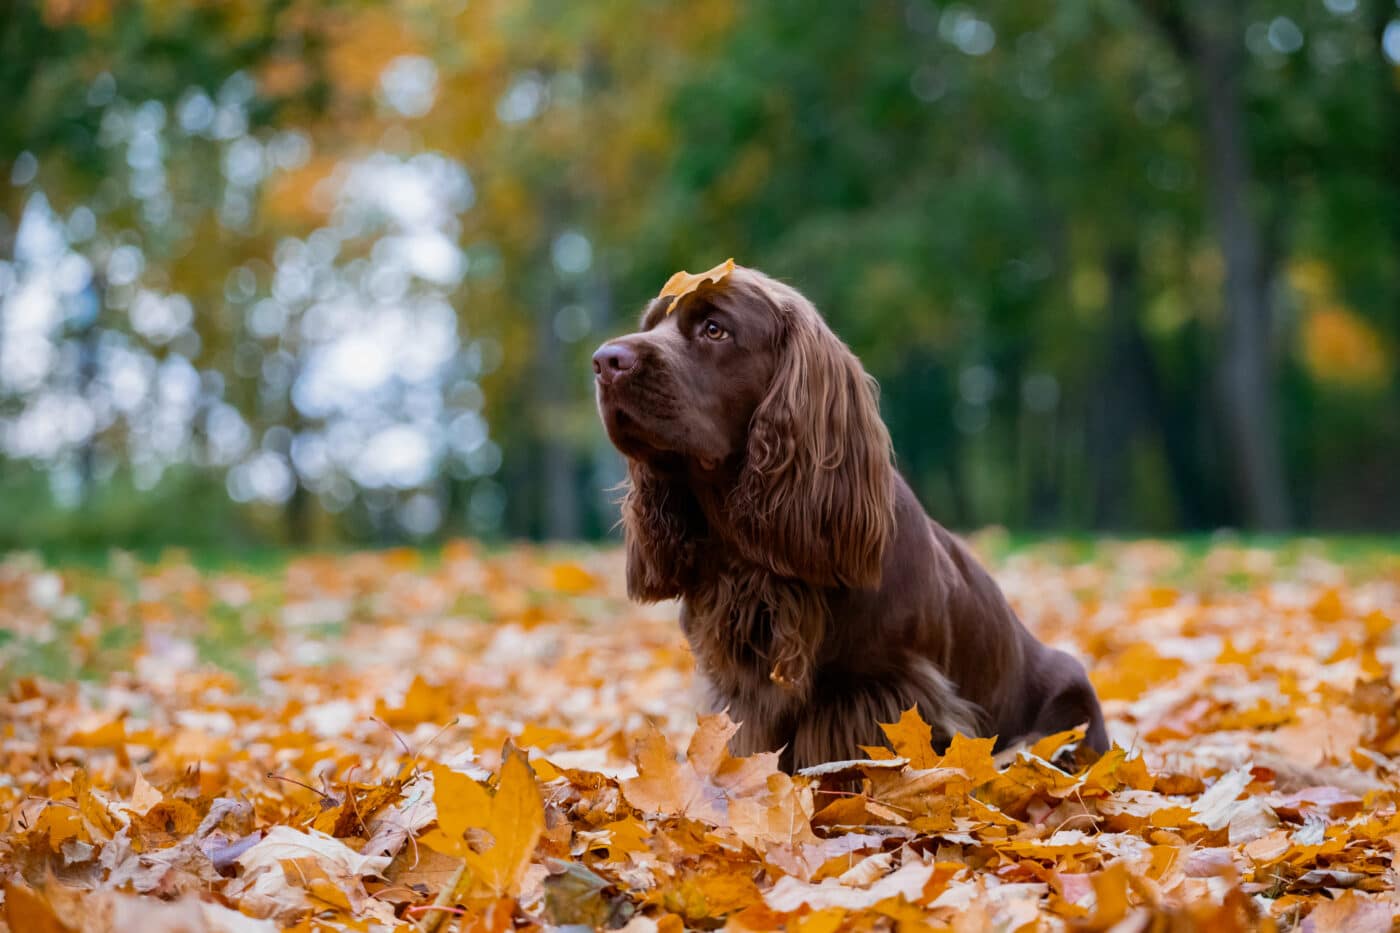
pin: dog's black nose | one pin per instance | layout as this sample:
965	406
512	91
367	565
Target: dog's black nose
612	360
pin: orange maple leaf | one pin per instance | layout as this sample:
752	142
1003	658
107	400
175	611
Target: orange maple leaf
974	758
702	786
912	738
513	817
683	283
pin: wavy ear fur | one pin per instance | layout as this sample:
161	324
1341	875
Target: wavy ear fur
662	526
815	499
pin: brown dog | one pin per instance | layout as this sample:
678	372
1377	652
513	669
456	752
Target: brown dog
818	597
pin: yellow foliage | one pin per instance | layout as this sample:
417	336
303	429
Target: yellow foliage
1342	349
1311	279
86	13
283	76
293	198
363	43
1338	347
1088	286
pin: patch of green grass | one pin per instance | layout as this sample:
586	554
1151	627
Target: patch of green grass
229	637
1083	546
50	659
225	641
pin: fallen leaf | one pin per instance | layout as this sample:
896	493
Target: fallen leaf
1257	784
1215	808
974	758
29	911
1350	913
683	283
912	739
495	833
701	786
907	882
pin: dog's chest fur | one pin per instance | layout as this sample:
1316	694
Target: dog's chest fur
756	638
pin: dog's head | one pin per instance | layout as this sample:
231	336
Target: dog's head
741	383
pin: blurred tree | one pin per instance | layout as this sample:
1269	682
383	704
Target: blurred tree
1117	263
121	113
561	111
1209	38
1061	220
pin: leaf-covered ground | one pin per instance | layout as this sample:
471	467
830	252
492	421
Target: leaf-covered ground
387	741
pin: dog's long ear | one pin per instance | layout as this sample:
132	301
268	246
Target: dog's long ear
815	499
662	525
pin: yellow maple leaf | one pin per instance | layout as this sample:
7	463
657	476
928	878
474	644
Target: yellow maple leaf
782	816
1024	779
710	894
1115	770
516	822
683	283
914	793
61	824
854	811
358	803
513	818
662	784
422	702
704	784
27	909
1059	844
1133	671
1047	746
826	920
1350	913
912	738
974	758
570	578
626	835
108	734
1110	896
143	795
95	811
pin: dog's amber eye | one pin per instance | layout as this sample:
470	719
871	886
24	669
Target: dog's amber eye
714	331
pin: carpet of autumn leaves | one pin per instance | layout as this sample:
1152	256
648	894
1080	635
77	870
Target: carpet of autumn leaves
489	741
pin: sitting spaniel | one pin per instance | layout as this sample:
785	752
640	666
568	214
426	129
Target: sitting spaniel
818	597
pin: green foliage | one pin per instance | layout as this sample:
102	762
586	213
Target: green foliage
188	508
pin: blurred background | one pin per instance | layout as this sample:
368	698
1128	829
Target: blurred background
318	272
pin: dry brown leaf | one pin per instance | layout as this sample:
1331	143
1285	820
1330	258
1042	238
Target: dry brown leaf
1351	913
683	283
702	786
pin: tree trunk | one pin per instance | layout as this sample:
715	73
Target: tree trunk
1133	405
296	511
1388	160
90	319
296	515
1119	407
1207	37
559	462
1245	372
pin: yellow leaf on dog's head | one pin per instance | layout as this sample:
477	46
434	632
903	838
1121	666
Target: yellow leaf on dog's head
683	283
